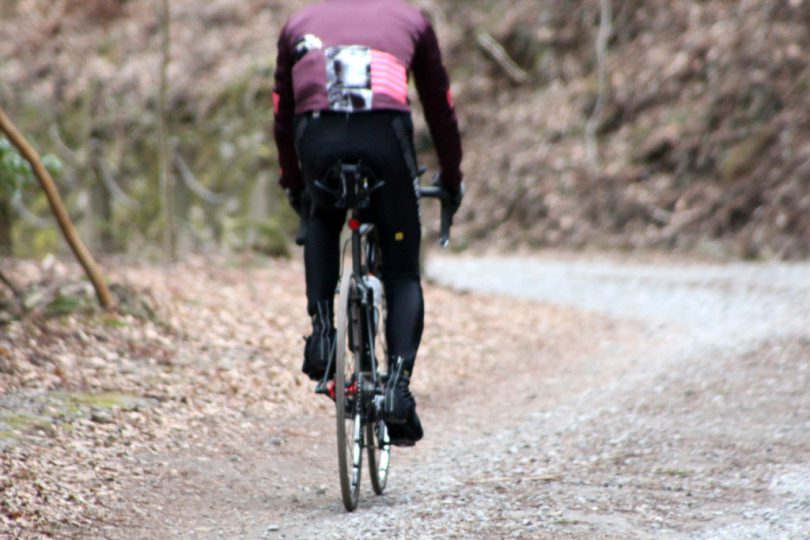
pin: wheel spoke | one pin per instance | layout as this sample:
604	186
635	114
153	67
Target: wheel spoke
379	453
349	445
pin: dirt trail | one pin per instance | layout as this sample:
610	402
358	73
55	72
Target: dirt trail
683	412
565	398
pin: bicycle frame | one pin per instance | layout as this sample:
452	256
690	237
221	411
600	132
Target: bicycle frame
358	388
363	246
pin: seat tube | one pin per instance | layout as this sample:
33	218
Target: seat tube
357	254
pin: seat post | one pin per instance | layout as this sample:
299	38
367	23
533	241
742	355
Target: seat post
357	248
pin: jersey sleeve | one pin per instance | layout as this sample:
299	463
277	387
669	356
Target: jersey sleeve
433	86
284	112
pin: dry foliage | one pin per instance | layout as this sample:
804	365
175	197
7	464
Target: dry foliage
92	404
704	140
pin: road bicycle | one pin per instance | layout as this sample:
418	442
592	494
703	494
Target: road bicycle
358	385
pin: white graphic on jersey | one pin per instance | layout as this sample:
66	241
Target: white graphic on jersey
348	78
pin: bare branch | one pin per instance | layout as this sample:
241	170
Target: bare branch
67	152
27	215
58	208
497	53
196	187
108	180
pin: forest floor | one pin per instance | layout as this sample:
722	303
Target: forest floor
560	399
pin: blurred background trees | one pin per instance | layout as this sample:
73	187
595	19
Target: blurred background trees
93	98
702	137
15	176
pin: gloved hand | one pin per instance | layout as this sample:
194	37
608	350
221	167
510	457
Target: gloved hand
295	196
456	195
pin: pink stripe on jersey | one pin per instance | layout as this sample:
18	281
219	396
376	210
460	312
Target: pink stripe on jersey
389	76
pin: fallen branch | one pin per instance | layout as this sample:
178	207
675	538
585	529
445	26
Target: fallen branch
499	55
59	211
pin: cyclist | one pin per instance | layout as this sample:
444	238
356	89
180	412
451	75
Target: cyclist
341	93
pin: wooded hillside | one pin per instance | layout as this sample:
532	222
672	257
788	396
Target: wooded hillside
702	139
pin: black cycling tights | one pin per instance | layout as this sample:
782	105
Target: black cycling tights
383	141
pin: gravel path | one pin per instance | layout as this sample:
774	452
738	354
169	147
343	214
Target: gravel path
698	428
734	304
675	405
723	406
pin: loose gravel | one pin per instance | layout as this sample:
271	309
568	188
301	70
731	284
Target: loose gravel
697	425
567	398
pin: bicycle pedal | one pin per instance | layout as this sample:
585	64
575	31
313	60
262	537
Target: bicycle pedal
323	388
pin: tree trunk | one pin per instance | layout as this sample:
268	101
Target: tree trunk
101	212
58	209
166	179
6	240
605	28
258	208
101	209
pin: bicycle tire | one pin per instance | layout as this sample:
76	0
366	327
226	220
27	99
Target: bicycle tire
377	441
379	455
348	416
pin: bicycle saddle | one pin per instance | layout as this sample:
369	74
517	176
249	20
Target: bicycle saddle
355	182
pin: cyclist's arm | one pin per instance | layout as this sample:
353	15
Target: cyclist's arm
284	111
433	86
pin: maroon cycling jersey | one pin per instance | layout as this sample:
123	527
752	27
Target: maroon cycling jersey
355	56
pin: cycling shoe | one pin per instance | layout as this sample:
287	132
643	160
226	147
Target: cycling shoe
407	433
398	404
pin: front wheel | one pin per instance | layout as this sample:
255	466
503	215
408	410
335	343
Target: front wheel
348	413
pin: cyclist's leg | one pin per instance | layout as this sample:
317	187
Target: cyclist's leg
396	213
322	243
322	266
322	256
399	242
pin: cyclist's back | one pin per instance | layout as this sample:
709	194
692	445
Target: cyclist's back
354	56
341	94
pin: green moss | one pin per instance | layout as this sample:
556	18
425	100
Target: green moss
110	320
223	138
106	400
64	305
13	423
59	408
77	404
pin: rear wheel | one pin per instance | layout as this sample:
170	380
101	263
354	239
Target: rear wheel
377	441
348	413
379	455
